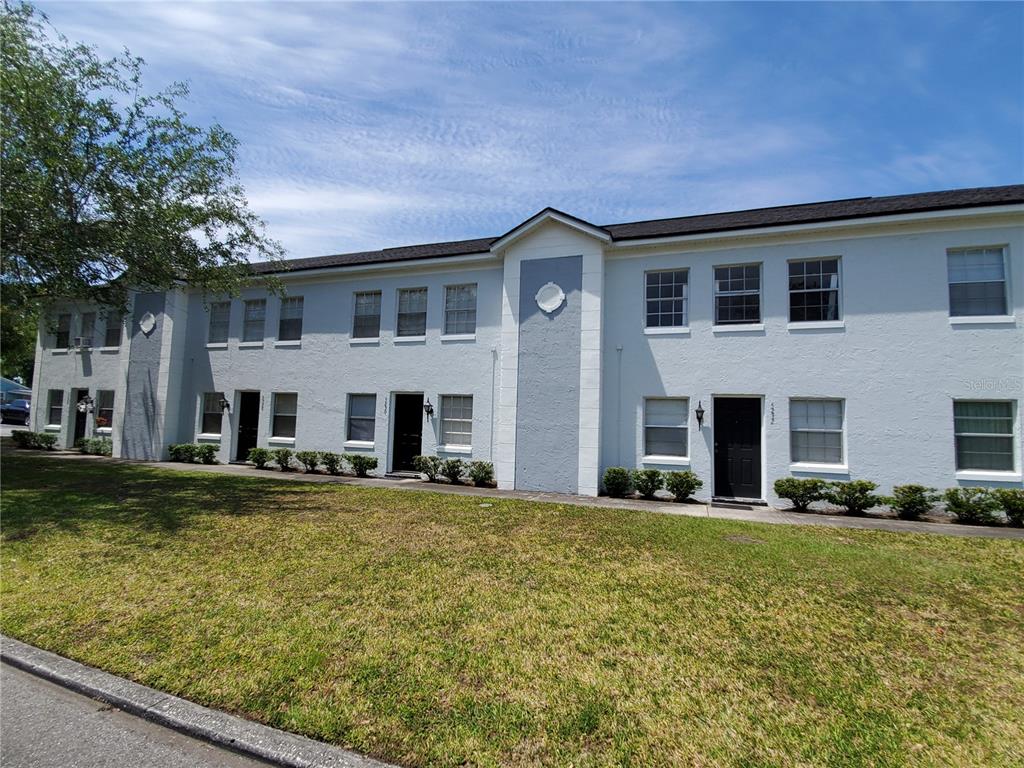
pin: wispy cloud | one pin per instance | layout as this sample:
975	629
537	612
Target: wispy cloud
371	125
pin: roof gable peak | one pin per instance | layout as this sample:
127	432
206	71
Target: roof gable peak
546	215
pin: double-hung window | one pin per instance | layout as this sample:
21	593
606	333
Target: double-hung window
286	406
213	414
816	431
88	328
62	338
813	290
666	426
412	312
460	309
112	331
55	415
104	409
362	417
668	298
738	294
984	434
289	327
977	281
255	319
457	419
366	321
220	322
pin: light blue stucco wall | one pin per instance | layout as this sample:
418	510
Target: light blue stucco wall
548	417
141	429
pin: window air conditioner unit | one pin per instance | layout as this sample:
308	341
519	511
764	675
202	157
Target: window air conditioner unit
83	342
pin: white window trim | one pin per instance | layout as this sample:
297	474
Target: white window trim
759	325
288	343
840	308
454	448
810	325
281	440
982	319
398	311
367	341
1007	296
456	337
737	328
273	414
667	330
380	315
250	345
409	339
840	467
103	430
675	461
444	317
360	445
208	437
991	474
654	458
217	345
111	350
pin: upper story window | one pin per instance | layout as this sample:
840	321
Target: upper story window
412	312
738	294
255	319
112	331
104	409
666	426
213	414
62	337
366	320
55	414
88	328
362	417
668	298
977	281
984	434
290	325
457	419
816	431
813	290
460	309
286	405
220	322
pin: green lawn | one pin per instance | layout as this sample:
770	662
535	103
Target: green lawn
431	629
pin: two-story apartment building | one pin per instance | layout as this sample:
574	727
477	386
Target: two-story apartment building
876	338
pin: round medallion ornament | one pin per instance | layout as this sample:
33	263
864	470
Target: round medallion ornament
147	323
550	297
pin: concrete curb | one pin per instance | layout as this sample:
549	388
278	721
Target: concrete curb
235	733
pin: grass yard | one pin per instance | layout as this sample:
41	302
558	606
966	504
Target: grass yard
431	629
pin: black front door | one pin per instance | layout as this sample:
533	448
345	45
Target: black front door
408	432
248	423
737	424
81	415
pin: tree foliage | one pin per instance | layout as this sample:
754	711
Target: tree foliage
106	188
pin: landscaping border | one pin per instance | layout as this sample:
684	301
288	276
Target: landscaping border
234	733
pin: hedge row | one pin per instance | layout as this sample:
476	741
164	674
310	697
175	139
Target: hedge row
190	452
312	460
455	470
96	446
620	482
971	506
44	441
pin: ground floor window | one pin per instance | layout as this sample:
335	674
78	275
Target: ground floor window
984	434
457	419
286	405
666	426
213	414
55	416
362	417
816	431
104	409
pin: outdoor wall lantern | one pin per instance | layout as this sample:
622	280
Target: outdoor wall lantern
428	408
224	404
699	413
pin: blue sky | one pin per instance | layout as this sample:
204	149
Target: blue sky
373	125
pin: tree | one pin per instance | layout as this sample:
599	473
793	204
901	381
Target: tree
107	189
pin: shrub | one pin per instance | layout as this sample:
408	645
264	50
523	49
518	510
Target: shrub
283	458
911	501
207	453
331	461
1012	502
185	452
24	439
97	446
682	484
481	472
647	481
360	463
972	506
429	466
259	457
855	497
453	469
45	441
617	482
309	459
801	491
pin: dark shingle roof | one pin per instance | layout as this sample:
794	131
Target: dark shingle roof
808	213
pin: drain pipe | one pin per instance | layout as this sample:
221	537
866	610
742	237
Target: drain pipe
618	408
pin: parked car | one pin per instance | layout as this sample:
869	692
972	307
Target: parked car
15	412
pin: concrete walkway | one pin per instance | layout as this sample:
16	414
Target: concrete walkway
751	514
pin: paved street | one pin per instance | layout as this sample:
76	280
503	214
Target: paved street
43	725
